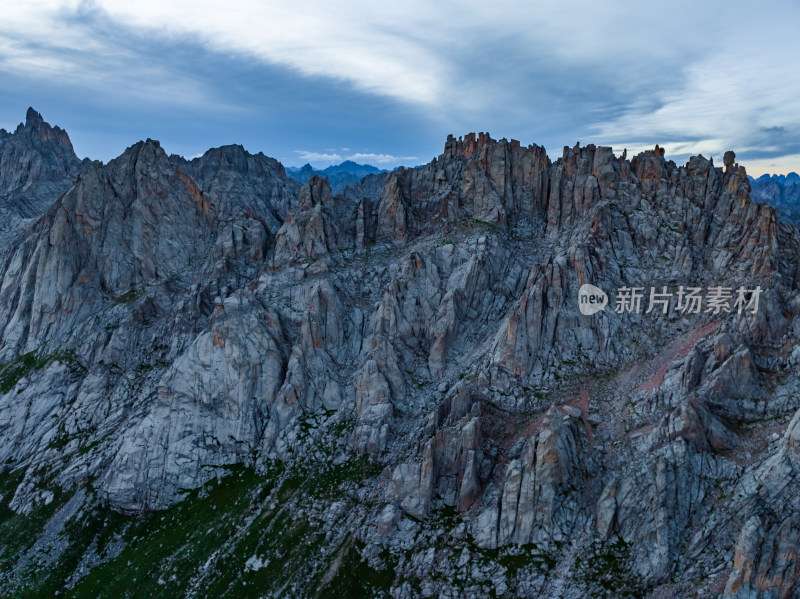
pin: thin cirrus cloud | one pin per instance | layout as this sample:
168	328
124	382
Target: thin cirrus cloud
692	77
73	40
317	39
746	102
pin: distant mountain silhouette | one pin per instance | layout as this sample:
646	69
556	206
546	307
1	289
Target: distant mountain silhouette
340	176
782	192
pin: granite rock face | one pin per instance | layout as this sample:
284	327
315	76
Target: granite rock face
164	323
37	164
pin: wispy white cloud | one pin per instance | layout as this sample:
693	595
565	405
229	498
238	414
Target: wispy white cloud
428	54
68	41
361	42
382	159
319	157
693	77
743	95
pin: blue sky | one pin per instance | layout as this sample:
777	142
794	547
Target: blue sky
321	82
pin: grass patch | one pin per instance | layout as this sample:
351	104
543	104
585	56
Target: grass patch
244	535
325	480
482	225
21	366
605	566
167	549
517	557
18	534
128	297
235	538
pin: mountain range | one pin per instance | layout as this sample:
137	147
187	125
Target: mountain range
340	176
782	192
217	381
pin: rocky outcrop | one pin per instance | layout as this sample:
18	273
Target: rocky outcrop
540	496
212	406
242	183
765	560
37	164
121	227
310	232
450	466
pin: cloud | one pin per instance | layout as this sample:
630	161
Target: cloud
693	77
72	41
743	95
317	157
358	42
780	164
436	56
381	159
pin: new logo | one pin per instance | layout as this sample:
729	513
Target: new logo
591	299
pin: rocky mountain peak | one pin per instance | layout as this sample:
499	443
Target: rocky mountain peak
317	192
37	164
33	118
467	145
40	133
143	155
